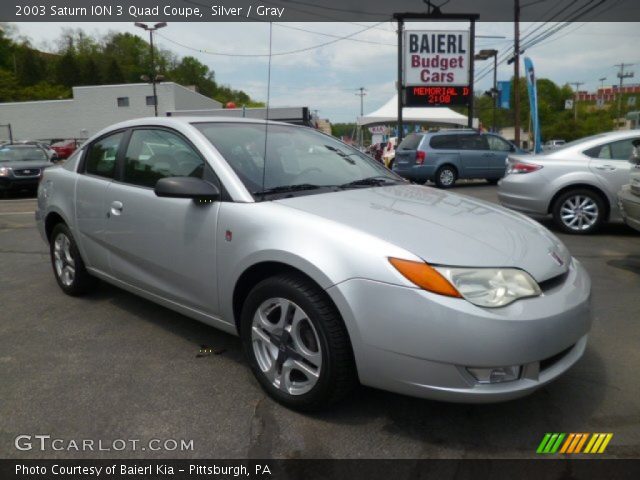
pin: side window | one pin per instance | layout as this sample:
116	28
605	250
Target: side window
444	142
497	144
620	150
473	142
154	154
101	158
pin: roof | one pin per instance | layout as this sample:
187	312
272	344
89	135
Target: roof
388	113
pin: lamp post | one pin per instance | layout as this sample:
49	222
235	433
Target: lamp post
153	78
485	55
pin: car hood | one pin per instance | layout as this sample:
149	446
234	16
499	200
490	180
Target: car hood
443	228
25	164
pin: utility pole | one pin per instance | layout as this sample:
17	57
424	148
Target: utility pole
153	78
362	92
516	73
601	80
575	99
622	75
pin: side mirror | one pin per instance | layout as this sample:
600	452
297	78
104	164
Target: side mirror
187	187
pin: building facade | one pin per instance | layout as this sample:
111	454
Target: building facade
93	108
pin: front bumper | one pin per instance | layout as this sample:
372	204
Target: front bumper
13	183
413	342
629	205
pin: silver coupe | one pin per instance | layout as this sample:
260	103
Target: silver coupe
331	269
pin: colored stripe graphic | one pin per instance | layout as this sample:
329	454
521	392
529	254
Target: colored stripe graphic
572	443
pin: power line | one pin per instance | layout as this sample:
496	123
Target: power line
262	55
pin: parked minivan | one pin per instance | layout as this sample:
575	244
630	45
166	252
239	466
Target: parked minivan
448	155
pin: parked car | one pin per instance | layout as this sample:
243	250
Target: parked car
21	167
553	144
389	152
330	268
65	148
448	155
577	184
629	195
51	153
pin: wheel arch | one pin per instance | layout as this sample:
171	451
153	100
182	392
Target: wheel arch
52	219
582	186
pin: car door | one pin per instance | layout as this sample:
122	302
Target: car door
474	156
610	164
499	150
165	246
96	172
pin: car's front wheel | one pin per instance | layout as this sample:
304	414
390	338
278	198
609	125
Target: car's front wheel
68	267
579	211
296	343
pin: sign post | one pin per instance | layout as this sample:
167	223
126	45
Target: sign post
435	67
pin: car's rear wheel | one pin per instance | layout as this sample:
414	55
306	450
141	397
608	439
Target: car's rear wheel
579	211
68	267
446	176
296	343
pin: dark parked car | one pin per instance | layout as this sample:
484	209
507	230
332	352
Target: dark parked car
21	167
448	155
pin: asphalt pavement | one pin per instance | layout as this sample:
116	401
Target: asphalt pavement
114	366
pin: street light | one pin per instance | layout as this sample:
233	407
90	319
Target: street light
485	55
153	78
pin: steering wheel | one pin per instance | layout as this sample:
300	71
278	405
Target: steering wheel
306	170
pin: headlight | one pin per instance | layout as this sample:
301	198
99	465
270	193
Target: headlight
4	171
485	287
491	287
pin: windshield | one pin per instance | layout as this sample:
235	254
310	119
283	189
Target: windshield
22	154
297	159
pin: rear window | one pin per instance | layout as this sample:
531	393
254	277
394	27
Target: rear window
444	142
411	142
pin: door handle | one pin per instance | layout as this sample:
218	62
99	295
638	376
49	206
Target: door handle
116	208
606	167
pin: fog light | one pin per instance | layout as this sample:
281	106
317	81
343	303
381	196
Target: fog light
496	374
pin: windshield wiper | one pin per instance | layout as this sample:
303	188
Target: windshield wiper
288	188
370	181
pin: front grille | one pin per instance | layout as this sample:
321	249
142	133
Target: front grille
26	172
551	361
553	282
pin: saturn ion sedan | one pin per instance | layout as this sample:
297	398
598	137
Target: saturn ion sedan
331	269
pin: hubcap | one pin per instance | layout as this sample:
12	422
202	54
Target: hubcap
579	212
64	264
286	346
446	177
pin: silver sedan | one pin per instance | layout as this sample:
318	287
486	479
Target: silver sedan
577	184
330	268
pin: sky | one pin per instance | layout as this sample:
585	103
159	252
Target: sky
327	78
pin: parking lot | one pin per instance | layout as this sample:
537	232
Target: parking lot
114	366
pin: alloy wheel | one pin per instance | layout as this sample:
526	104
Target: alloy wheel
447	177
286	346
64	263
579	213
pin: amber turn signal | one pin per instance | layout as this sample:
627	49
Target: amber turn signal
425	277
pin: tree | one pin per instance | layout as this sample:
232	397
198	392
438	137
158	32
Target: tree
66	70
113	74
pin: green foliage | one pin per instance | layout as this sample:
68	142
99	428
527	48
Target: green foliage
80	59
555	121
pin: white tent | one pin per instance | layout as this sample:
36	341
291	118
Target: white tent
436	116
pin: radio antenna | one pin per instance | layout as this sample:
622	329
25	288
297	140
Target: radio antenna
266	124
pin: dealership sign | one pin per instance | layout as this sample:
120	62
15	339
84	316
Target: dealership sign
436	58
436	68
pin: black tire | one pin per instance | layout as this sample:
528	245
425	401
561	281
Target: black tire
595	202
337	375
492	181
82	282
446	176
